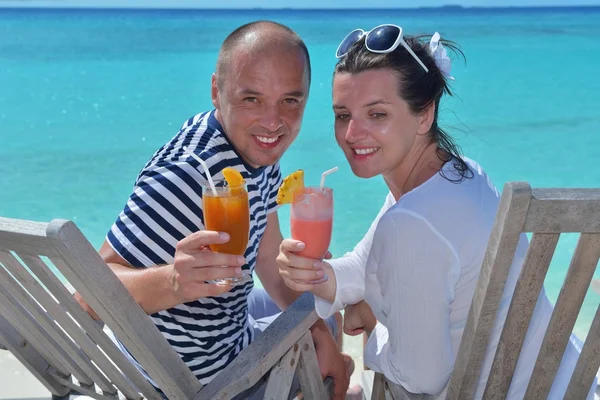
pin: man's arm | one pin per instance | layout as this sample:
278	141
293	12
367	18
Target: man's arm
152	287
162	287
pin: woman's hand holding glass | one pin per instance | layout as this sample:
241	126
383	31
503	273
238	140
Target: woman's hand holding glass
304	274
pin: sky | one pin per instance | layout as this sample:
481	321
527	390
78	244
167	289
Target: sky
285	3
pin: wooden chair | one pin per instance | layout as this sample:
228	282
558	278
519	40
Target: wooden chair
49	332
546	213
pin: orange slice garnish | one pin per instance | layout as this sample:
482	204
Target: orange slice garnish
233	177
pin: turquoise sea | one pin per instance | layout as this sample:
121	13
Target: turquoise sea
86	97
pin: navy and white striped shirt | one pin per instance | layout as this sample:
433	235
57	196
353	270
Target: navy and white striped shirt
165	207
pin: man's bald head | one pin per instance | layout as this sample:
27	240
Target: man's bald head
260	37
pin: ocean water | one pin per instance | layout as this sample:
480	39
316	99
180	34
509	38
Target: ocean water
86	97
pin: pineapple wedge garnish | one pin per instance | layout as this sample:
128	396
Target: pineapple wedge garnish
291	183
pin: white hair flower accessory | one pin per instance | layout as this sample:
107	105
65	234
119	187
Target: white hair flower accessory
440	56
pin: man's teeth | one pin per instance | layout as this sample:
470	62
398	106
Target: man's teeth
366	151
265	139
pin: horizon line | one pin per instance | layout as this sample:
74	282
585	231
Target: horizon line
184	8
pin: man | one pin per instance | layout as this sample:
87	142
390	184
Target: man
158	246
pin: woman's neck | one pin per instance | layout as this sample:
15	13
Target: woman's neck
420	165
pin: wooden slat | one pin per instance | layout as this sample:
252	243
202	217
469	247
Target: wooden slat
107	296
378	387
495	267
587	364
89	392
282	375
43	319
39	268
564	316
30	358
309	373
538	258
94	331
399	393
256	360
563	210
27	327
24	236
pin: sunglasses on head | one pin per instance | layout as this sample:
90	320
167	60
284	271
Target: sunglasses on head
381	39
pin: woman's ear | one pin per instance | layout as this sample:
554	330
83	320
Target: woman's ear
426	120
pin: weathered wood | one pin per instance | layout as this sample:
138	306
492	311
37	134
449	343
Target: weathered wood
89	392
538	258
498	258
397	392
94	280
378	387
42	316
33	234
25	236
282	375
85	270
309	373
75	330
566	310
28	327
563	210
256	360
91	330
587	364
30	358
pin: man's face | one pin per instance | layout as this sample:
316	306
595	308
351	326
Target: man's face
260	102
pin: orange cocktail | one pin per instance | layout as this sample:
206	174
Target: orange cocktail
229	212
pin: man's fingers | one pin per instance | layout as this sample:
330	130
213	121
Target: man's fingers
207	258
197	240
354	331
305	276
298	286
212	273
197	290
340	384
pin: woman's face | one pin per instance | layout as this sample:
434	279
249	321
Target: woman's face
374	126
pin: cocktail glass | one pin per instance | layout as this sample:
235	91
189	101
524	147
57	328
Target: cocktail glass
312	221
229	212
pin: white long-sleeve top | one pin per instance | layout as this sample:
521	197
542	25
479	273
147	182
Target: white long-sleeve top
417	268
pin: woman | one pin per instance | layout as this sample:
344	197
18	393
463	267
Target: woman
410	281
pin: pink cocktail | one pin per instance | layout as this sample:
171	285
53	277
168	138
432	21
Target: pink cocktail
311	220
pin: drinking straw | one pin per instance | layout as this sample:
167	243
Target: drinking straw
324	174
206	171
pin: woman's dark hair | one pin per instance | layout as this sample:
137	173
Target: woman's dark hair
418	88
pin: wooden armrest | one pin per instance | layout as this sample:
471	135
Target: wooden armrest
257	359
381	385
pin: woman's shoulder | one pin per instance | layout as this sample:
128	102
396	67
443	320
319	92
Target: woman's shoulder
449	203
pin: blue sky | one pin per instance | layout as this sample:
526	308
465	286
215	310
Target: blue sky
285	3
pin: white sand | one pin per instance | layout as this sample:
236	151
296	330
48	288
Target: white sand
16	382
